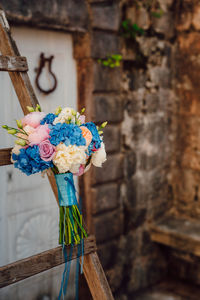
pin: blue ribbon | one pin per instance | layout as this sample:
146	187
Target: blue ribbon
66	189
67	197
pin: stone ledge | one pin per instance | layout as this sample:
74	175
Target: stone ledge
170	290
181	234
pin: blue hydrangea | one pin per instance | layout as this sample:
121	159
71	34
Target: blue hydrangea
66	133
48	119
29	161
96	141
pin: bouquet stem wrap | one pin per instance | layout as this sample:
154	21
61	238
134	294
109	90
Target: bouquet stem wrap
71	230
71	223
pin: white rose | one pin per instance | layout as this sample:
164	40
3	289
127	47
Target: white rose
74	168
65	114
68	158
99	157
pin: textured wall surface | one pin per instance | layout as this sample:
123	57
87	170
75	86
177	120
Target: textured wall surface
151	105
133	189
186	186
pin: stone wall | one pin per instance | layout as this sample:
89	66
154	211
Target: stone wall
139	183
133	189
187	165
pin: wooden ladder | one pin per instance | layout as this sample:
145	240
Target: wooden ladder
16	65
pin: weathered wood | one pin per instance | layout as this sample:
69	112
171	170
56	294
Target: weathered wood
52	181
5	156
20	80
13	63
96	278
46	260
180	234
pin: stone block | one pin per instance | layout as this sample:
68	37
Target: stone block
156	132
133	243
145	273
189	42
135	218
196	17
106	79
112	170
137	278
106	197
108	107
104	44
152	102
52	14
167	100
137	79
138	16
189	100
147	245
115	277
112	138
130	163
160	76
164	25
187	192
109	225
184	21
106	17
189	143
148	162
134	103
144	192
112	252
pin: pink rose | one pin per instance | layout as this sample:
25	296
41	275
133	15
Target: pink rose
33	119
80	171
40	134
47	150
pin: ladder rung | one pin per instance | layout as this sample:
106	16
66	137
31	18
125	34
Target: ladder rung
41	262
5	155
13	63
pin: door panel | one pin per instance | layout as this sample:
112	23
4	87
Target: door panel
28	210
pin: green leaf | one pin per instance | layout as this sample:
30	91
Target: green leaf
157	14
105	63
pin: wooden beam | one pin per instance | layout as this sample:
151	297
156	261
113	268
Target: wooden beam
96	278
46	260
13	63
20	80
5	155
178	233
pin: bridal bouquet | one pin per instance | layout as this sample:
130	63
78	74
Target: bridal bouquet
66	144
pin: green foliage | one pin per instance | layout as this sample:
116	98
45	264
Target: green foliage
130	31
112	61
157	13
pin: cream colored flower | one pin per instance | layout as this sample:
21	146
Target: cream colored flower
15	150
99	157
65	114
28	129
69	158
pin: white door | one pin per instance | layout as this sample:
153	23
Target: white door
28	210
